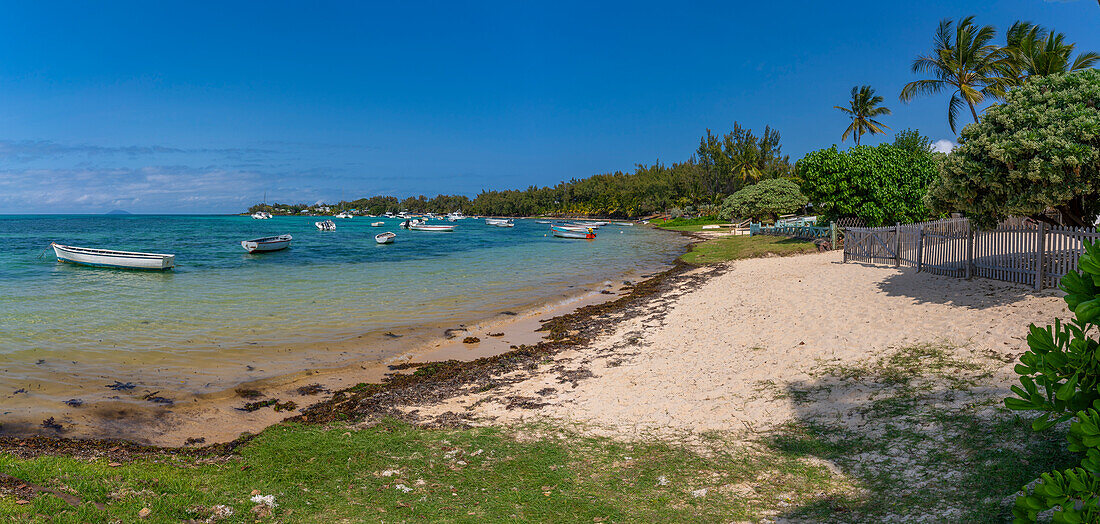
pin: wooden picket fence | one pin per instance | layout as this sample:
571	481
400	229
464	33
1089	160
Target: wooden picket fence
1033	254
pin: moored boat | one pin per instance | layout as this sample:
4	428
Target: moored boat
274	243
583	224
326	225
500	222
385	238
561	232
569	227
110	258
377	224
345	214
261	215
543	222
427	227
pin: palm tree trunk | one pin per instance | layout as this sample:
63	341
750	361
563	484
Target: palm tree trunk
972	111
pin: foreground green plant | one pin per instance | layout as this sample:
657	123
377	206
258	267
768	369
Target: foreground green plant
1060	377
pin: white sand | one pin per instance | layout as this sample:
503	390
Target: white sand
717	357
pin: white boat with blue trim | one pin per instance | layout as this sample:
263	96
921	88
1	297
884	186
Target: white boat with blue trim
109	258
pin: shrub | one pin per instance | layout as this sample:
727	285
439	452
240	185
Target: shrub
1059	377
765	199
879	185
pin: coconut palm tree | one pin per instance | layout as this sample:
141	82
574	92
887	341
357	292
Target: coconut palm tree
964	60
1034	51
863	108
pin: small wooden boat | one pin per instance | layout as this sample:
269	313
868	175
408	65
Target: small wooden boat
384	238
561	232
326	225
377	224
426	227
108	258
267	243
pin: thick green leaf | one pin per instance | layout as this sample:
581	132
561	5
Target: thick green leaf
1068	389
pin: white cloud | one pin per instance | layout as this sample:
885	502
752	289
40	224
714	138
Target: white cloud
944	146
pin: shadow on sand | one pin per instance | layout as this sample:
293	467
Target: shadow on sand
918	436
976	293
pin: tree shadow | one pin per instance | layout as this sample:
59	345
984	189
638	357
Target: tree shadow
976	293
917	435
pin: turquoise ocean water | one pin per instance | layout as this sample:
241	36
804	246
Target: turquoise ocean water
328	299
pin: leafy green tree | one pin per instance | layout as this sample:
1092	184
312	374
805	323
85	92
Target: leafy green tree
912	140
879	185
740	157
963	60
1035	51
766	199
862	109
1038	150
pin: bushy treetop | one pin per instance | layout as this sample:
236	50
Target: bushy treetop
1039	150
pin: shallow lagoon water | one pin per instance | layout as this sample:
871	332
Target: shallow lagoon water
224	316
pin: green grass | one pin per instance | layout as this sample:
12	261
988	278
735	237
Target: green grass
718	250
930	443
396	472
686	224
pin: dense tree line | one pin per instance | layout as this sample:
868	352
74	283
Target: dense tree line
725	164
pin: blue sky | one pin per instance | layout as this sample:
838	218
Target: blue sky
204	107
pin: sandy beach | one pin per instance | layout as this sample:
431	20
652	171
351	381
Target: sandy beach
723	354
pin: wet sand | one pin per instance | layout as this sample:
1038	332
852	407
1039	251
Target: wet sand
216	417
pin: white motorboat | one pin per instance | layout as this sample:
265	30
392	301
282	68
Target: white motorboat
326	225
500	222
385	238
561	232
543	222
623	223
426	227
574	227
261	215
377	224
109	258
345	214
274	243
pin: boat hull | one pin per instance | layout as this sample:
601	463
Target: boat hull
116	259
432	228
263	245
569	233
385	238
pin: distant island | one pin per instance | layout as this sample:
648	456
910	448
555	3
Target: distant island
118	212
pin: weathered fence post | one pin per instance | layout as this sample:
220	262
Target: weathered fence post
969	249
920	245
847	237
1040	252
832	235
897	244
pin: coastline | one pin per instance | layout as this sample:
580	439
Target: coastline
215	419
